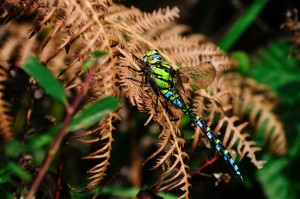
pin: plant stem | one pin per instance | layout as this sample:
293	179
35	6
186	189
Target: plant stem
207	163
60	168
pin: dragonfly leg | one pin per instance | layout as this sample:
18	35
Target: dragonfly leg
135	80
134	70
144	80
155	90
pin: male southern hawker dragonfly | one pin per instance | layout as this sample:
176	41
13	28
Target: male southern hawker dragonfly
165	80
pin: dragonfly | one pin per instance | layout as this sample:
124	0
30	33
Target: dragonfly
167	81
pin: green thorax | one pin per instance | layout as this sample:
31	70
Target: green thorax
163	75
162	72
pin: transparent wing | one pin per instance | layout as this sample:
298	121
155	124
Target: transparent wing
200	76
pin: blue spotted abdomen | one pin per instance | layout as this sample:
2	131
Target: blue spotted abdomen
175	99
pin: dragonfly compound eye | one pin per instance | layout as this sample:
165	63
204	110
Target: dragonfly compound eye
157	57
152	57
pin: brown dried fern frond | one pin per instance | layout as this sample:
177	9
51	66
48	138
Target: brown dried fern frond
233	135
168	30
207	106
228	122
5	118
136	24
192	55
104	138
173	159
67	22
105	80
274	134
258	102
14	9
139	22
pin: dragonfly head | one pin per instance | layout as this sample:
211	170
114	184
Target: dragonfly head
153	57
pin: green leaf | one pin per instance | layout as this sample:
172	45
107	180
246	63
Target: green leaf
243	60
93	113
45	79
19	171
99	53
38	141
86	65
239	27
9	169
84	119
13	148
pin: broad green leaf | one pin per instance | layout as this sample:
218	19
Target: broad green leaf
13	148
93	113
45	79
84	119
38	141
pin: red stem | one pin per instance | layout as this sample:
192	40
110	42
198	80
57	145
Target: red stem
60	169
207	163
197	171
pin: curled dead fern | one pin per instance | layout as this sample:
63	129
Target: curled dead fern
258	102
104	138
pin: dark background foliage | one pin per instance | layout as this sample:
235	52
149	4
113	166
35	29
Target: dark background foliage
214	17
